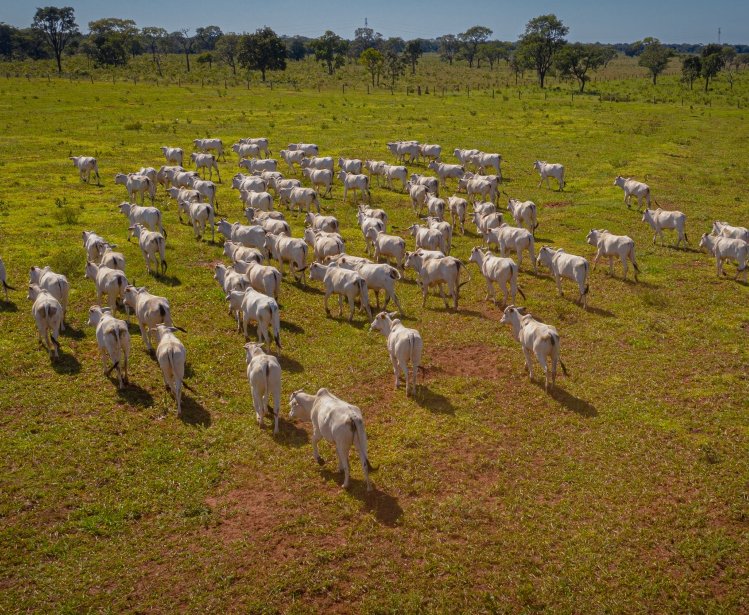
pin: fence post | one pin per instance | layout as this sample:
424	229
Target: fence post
248	83
201	82
418	90
468	90
343	89
318	88
92	78
492	92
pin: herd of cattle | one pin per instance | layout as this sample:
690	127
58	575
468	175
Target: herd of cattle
252	285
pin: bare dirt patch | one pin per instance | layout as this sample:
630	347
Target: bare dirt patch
470	361
554	204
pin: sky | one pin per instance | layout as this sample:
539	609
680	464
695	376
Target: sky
606	21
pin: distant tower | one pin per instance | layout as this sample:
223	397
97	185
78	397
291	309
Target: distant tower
365	23
718	36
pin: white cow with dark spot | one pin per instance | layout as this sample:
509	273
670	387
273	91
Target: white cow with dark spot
290	250
513	238
344	283
86	165
110	282
48	315
378	276
436	272
56	284
610	246
265	279
172	358
524	213
458	207
152	246
150	311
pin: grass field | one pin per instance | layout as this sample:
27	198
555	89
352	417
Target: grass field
626	490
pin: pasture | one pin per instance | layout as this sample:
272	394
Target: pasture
624	490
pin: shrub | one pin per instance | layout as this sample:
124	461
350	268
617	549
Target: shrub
66	214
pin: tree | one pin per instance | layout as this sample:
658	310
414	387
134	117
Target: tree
373	61
470	41
296	48
110	40
7	36
58	26
634	49
206	58
691	69
412	52
494	51
330	49
227	49
262	51
655	57
394	66
519	63
364	38
449	47
543	38
712	62
154	40
731	63
184	43
207	37
576	60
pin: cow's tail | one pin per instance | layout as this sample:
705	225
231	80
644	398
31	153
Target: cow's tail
464	268
395	274
360	440
632	257
49	312
7	286
275	317
277	280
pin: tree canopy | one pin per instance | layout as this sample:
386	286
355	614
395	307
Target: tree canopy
330	49
655	57
470	40
58	26
543	38
263	51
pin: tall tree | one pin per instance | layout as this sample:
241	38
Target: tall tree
578	59
494	51
227	48
58	26
542	39
330	49
691	69
449	47
207	37
412	52
519	63
184	43
394	66
655	57
110	40
364	38
263	51
470	41
713	61
373	61
297	48
154	40
7	36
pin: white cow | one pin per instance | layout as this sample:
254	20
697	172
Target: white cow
631	188
165	175
173	154
200	214
205	187
344	283
658	219
112	259
320	178
734	232
95	245
436	207
390	246
438	224
48	315
486	222
336	421
378	276
369	228
563	265
319	163
478	186
145	216
465	155
55	284
110	282
210	145
350	165
184	194
524	213
308	149
418	194
152	246
262	143
136	184
291	250
257	200
613	245
485	161
458	207
113	339
324	245
229	278
436	272
264	310
264	376
150	311
329	224
246	150
265	279
535	338
499	270
547	170
401	149
354	182
85	165
239	253
432	184
249	183
374	213
404	346
292	157
727	248
430	151
266	165
253	236
172	357
376	169
4	279
398	173
513	238
427	238
205	161
444	171
300	198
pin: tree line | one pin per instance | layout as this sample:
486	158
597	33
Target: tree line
542	48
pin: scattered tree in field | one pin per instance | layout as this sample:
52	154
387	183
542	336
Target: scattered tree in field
494	51
184	43
373	61
519	63
364	38
470	40
330	49
296	48
576	60
7	34
691	69
154	40
58	26
395	44
732	63
262	51
394	66
543	38
206	38
713	61
110	39
227	50
206	58
449	47
634	49
412	52
655	57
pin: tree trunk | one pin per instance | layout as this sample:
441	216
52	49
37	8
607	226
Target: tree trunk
582	85
58	56
330	67
233	68
413	67
158	65
187	59
655	76
373	77
262	71
707	83
541	78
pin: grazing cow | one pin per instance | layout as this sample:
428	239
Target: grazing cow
404	346
535	338
613	245
499	270
524	213
253	236
436	272
443	227
205	161
324	245
355	182
378	276
265	279
289	249
210	145
152	246
264	376
477	186
85	165
513	238
239	253
427	238
396	172
390	246
199	214
111	282
633	188
150	311
563	265
444	171
320	178
113	339
430	151
547	170
55	284
350	165
458	207
136	184
432	184
173	154
264	310
344	283
4	279
336	421
262	143
734	232
48	315
145	216
658	219
369	228
727	248
172	357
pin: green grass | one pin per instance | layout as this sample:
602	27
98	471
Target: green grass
626	490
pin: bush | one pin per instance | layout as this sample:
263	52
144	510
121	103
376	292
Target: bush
69	262
66	214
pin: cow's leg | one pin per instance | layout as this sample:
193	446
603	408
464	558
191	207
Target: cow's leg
442	294
342	452
352	307
316	437
528	361
595	260
559	284
624	266
396	370
325	301
611	265
544	366
144	335
490	294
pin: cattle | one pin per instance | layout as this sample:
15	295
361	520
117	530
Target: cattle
265	279
136	184
262	201
477	186
430	151
291	250
465	155
292	157
113	339
435	207
524	213
734	232
320	178
95	245
370	212
563	265
110	282
200	214
350	165
497	270
355	182
249	183
308	149
246	150
152	246
436	272
658	219
165	175
344	283
396	172
547	170
184	194
172	357
432	184
443	227
329	224
376	169
404	346
369	228
271	224
427	238
319	163
300	198
4	279
182	179
239	253
486	222
418	194
378	276
145	216
513	238
267	165
229	278
86	165
390	246
260	308
56	284
444	171
264	376
727	248
48	314
535	338
634	188
324	245
253	236
484	161
457	207
401	149
484	208
262	143
205	161
613	245
210	145
206	188
173	154
336	421
112	259
150	311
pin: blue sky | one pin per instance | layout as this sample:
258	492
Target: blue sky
672	21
